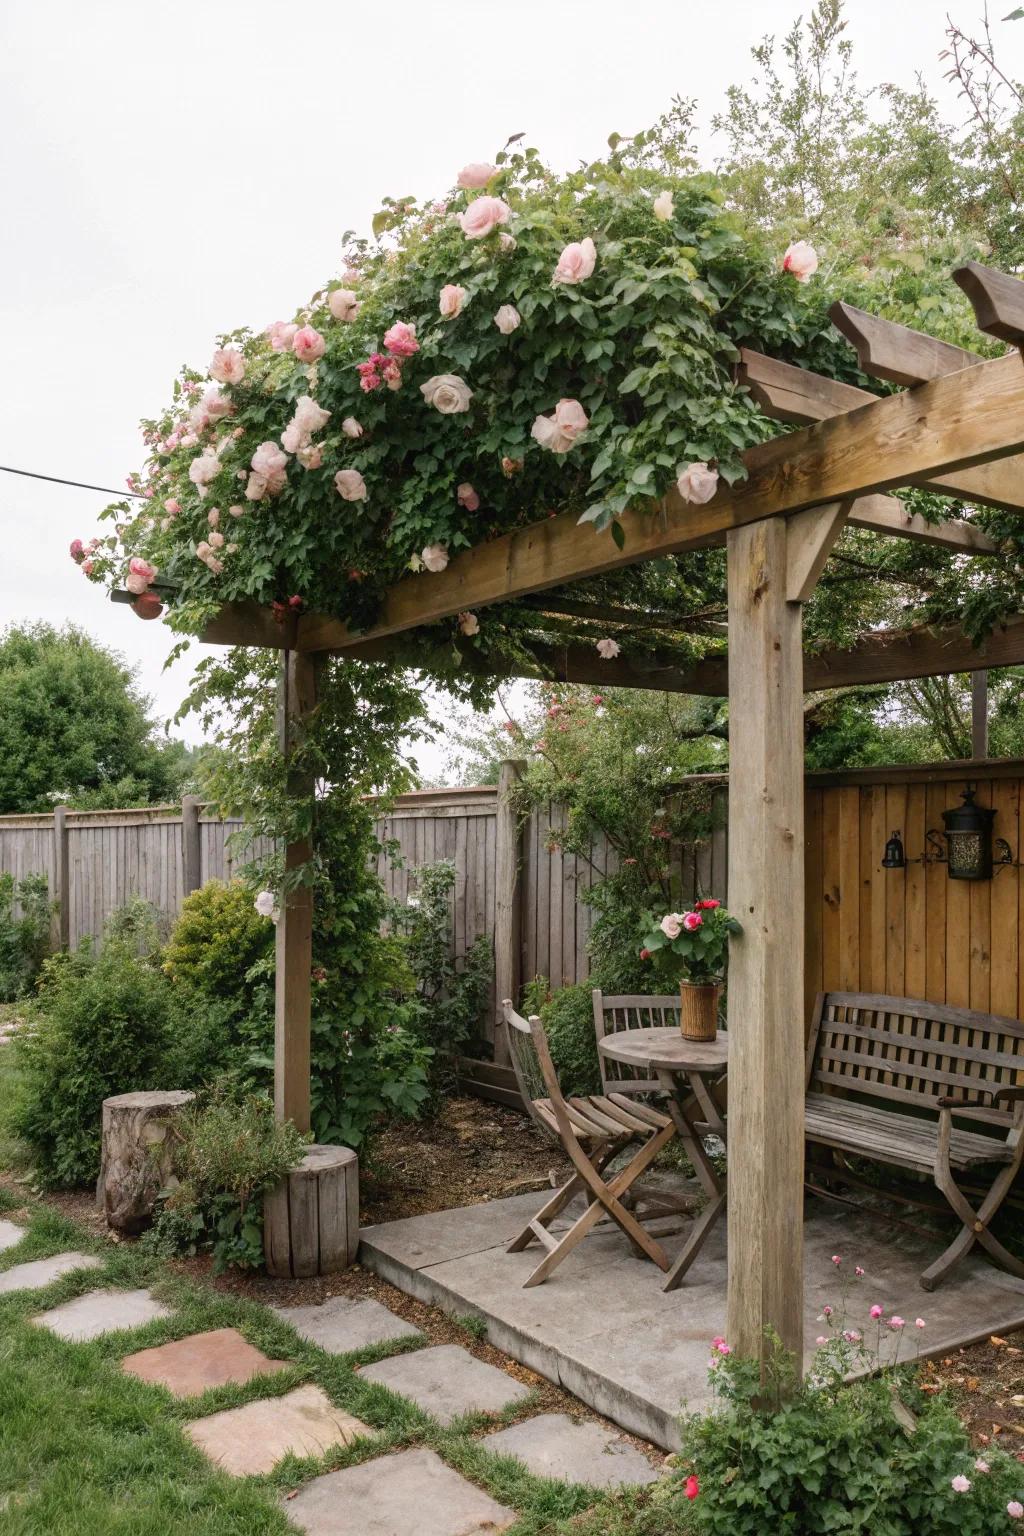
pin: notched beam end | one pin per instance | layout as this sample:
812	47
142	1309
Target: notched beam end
997	301
889	351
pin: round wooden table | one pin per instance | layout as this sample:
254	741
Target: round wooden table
688	1071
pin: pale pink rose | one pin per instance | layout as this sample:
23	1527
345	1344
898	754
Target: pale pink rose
214	565
343	304
467	497
214	405
312	456
662	205
451	300
172	507
88	566
216	539
236	511
400	340
391	373
447	393
136	584
476	175
571	418
671	925
227	366
608	649
919	1322
213	517
203	469
281	335
350	485
1015	1509
434	557
697	483
982	1466
308	344
576	262
351	427
801	259
960	1484
896	1322
292	438
508	319
469	623
202	549
506	241
256	486
560	431
483	215
310	416
268	459
140	567
692	921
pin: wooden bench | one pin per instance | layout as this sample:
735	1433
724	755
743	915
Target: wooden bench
927	1088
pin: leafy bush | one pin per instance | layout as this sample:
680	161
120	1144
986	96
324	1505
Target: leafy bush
227	1156
24	940
568	1019
102	1027
217	939
451	998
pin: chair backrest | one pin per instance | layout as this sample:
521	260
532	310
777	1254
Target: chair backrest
913	1052
615	1013
530	1055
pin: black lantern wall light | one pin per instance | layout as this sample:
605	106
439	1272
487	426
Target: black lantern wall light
968	851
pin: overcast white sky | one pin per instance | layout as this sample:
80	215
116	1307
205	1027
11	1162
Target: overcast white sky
173	170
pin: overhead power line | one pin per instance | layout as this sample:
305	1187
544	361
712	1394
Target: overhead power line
82	485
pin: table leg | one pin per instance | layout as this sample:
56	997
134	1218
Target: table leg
681	1105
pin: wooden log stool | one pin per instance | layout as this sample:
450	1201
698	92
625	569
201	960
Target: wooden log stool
311	1221
137	1156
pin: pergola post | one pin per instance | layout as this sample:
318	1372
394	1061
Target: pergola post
294	939
766	969
507	902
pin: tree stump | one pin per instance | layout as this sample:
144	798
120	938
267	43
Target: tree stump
137	1157
311	1221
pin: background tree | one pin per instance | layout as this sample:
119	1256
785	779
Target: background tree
74	728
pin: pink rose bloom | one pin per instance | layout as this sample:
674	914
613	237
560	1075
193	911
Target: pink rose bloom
692	921
451	300
136	584
508	319
256	486
469	623
447	393
506	242
697	483
202	470
820	1340
391	373
343	304
216	539
308	344
213	517
1015	1509
214	405
876	1311
919	1322
434	557
560	431
857	1270
720	1346
896	1322
476	175
960	1484
801	259
350	485
281	335
671	926
608	649
227	366
981	1465
483	215
172	507
76	550
837	1258
400	340
269	459
576	262
851	1336
236	511
88	566
312	456
351	427
467	497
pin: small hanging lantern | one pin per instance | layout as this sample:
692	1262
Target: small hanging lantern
894	857
969	839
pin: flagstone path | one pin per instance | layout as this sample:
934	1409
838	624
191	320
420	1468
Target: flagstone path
411	1492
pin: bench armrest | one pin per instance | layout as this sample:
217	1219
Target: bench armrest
984	1100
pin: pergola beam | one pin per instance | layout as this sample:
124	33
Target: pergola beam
894	352
997	301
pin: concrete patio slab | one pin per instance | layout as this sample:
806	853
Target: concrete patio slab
413	1491
36	1273
98	1312
552	1445
343	1324
603	1328
446	1382
10	1234
192	1365
251	1440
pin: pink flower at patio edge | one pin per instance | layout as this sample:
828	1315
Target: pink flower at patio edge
1015	1509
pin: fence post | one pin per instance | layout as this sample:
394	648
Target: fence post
191	851
61	879
507	902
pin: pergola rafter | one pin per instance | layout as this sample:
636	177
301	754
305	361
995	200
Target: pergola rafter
958	428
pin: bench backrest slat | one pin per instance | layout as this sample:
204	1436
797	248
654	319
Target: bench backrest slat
910	1051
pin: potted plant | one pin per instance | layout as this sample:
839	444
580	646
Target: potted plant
689	949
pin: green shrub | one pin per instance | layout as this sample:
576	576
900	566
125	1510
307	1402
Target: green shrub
218	937
227	1156
102	1027
568	1019
24	940
451	997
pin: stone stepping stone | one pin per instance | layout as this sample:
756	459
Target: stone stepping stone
447	1381
37	1273
252	1440
343	1324
98	1312
414	1491
10	1234
192	1365
552	1445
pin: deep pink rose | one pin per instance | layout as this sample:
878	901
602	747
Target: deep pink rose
76	550
483	215
692	921
400	340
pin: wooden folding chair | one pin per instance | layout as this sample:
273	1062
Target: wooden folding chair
592	1131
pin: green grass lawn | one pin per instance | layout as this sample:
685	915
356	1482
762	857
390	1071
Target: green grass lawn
88	1450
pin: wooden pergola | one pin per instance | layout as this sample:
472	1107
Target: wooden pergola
956	426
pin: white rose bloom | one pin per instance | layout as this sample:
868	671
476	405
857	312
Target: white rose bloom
434	557
265	904
508	319
663	205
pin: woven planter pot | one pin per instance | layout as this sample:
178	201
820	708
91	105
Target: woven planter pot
698	1010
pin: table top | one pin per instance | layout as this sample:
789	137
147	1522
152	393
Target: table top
666	1049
